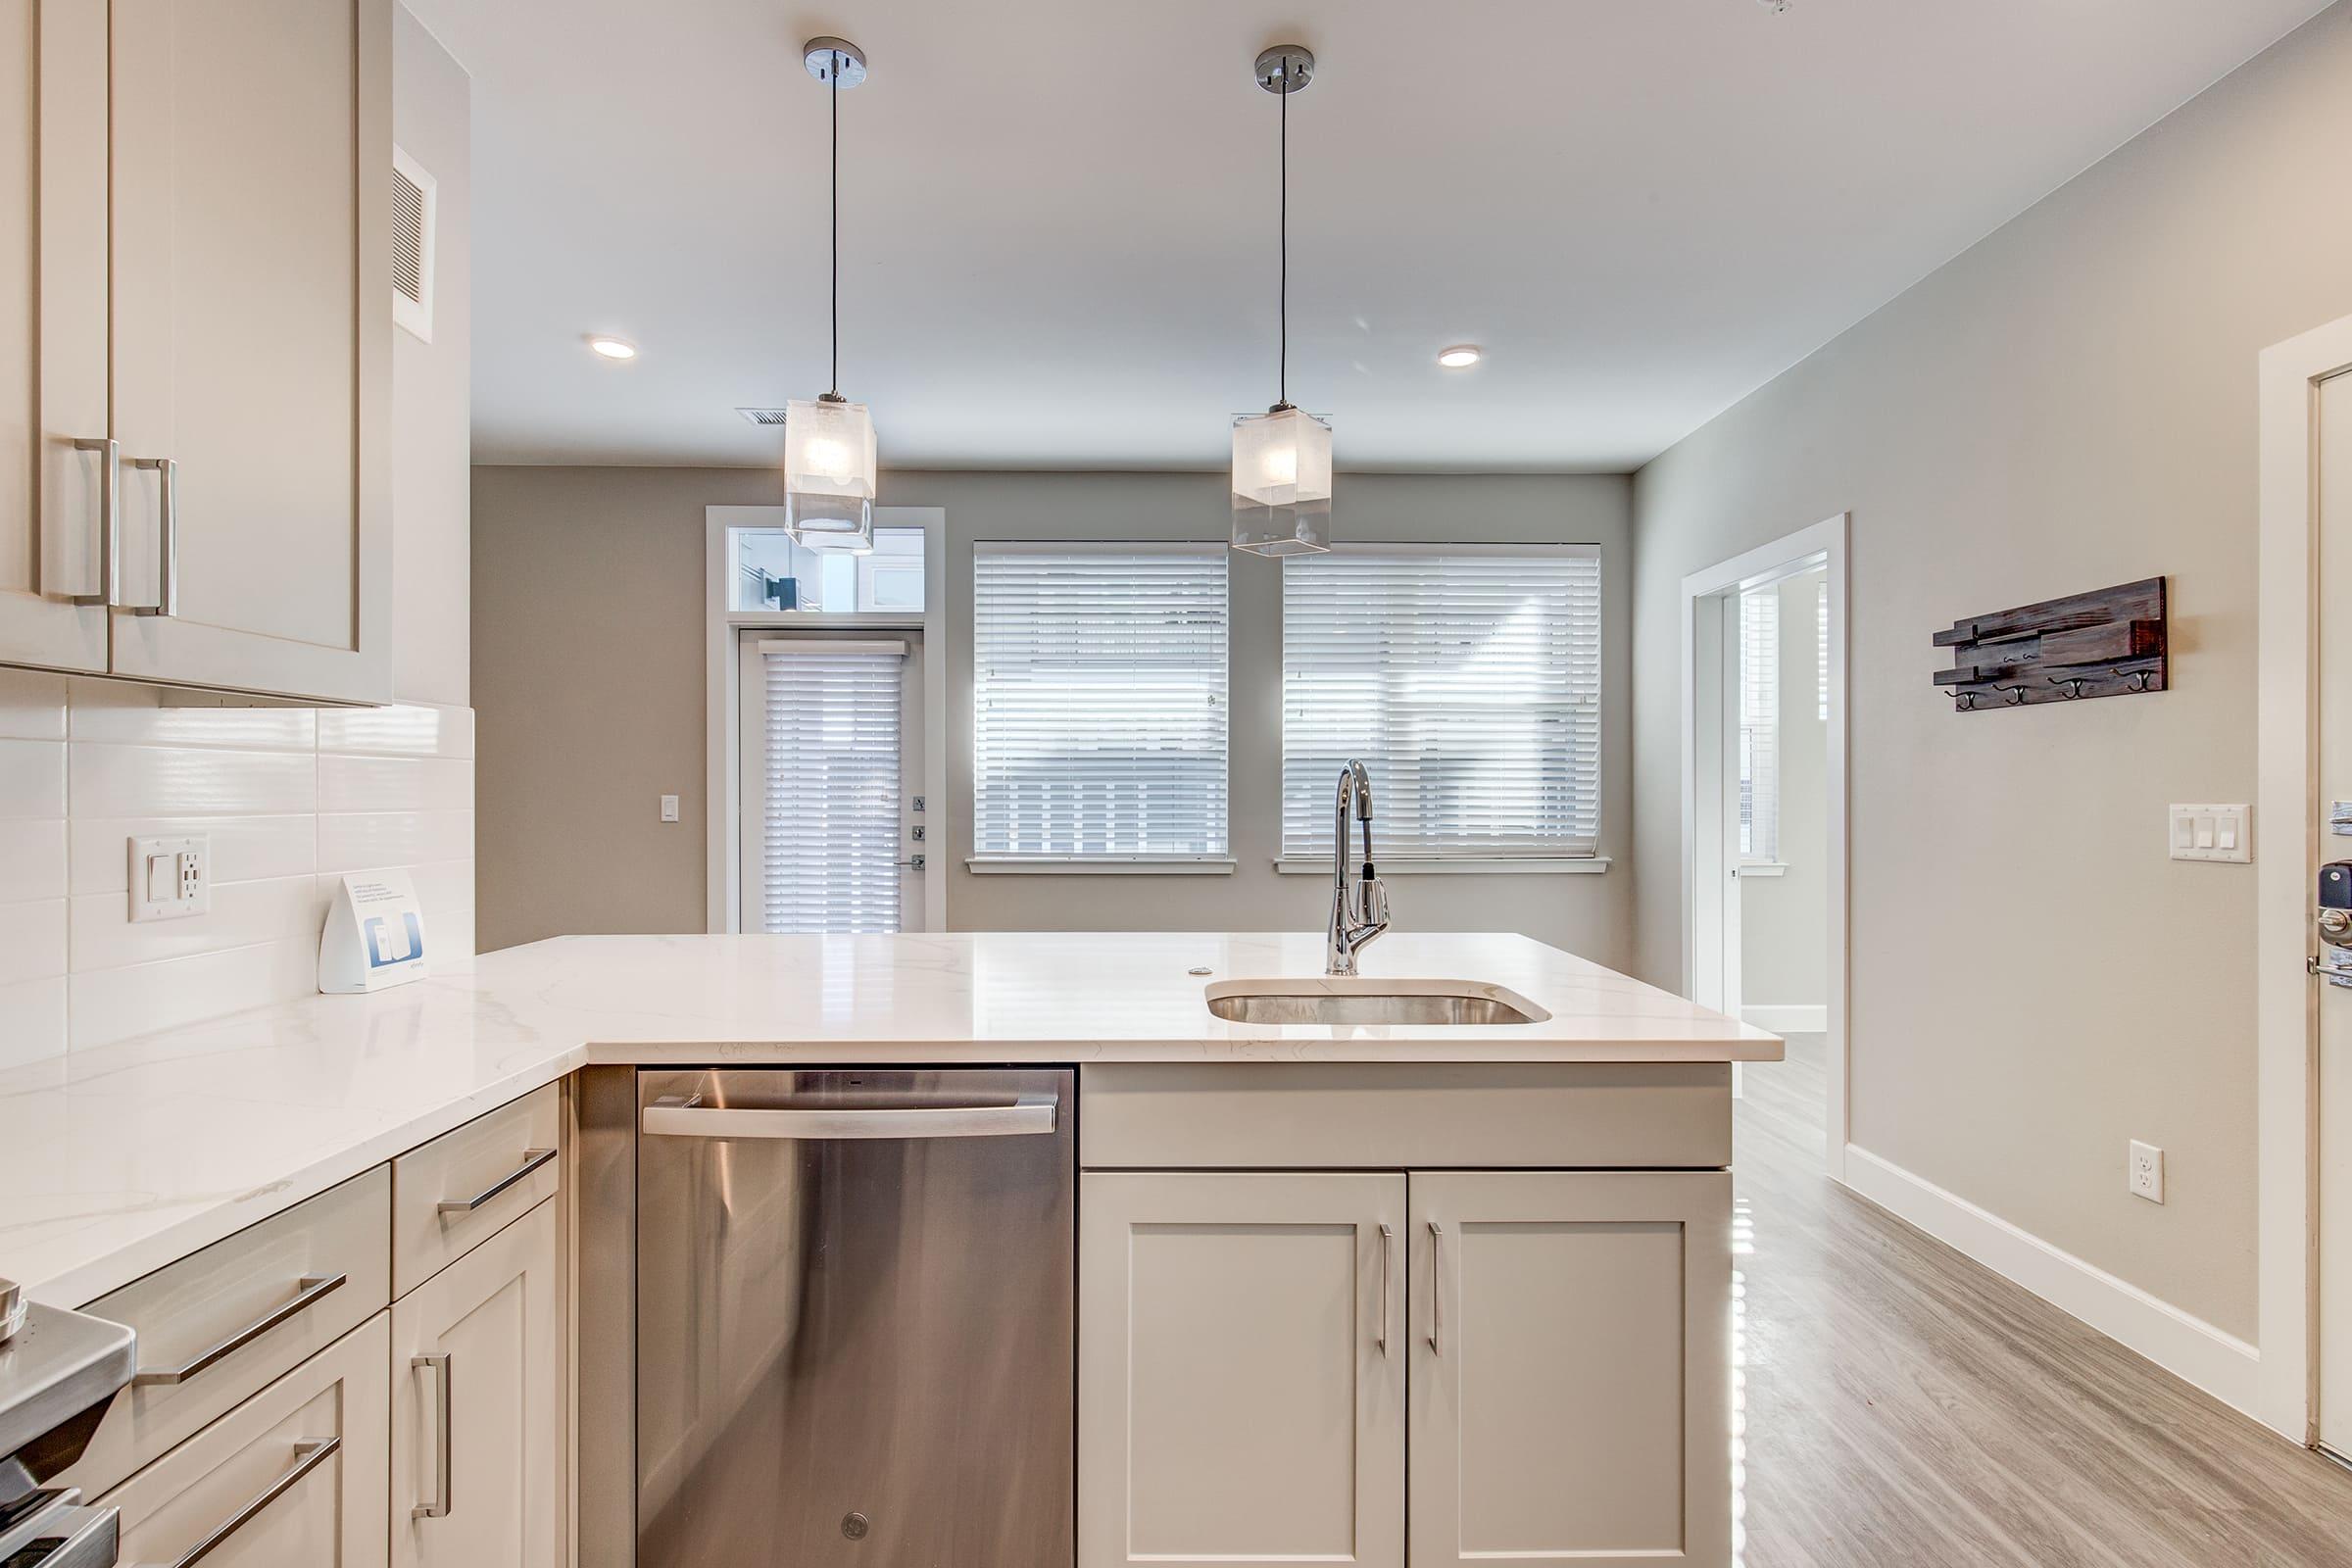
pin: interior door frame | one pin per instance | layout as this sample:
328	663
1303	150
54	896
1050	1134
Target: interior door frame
722	770
1708	839
2286	797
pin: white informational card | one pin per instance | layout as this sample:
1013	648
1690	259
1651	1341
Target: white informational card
374	935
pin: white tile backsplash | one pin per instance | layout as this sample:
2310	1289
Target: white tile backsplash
395	783
32	778
289	799
361	840
33	858
411	731
33	706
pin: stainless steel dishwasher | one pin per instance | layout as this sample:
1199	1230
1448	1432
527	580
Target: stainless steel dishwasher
855	1321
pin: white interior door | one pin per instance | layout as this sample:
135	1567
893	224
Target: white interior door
2335	1003
831	742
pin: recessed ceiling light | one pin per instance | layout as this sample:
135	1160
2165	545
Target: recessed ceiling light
611	348
1461	356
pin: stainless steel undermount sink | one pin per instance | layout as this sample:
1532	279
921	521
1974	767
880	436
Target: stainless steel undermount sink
1339	1001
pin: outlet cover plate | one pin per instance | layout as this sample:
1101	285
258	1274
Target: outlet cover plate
171	878
2146	1174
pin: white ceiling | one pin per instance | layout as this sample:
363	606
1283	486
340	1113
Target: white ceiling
1058	214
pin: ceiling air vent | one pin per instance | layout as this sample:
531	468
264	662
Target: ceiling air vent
762	416
412	245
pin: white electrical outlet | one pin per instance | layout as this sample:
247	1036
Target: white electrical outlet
2148	1171
670	807
171	879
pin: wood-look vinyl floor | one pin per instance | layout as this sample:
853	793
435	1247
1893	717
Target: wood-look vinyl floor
1905	1407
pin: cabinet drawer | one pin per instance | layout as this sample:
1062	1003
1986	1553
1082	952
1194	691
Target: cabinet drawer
221	1323
463	1188
1405	1116
297	1474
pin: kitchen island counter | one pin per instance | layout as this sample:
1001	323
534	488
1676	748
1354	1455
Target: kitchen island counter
116	1160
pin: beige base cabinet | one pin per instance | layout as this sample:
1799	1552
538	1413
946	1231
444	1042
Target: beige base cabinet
1260	1352
1241	1369
1571	1382
477	1412
296	1474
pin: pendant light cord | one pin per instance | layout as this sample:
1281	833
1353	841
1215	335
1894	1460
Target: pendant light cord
834	92
1282	375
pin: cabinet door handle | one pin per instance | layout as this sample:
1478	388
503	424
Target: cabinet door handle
1437	1294
166	522
315	1287
438	1365
110	522
308	1457
532	1159
1386	1278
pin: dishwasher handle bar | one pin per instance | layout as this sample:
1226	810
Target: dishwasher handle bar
673	1117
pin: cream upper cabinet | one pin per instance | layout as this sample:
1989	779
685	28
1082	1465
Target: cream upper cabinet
477	1406
1571	1385
250	343
293	1475
54	469
1241	1369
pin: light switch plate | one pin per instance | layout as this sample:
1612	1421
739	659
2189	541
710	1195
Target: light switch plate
670	807
2211	833
171	879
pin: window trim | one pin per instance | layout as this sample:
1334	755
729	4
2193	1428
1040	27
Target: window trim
1593	863
1117	863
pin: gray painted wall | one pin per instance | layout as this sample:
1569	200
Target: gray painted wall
588	680
2067	405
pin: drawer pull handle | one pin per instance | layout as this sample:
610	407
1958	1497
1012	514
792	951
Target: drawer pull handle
308	1457
532	1159
438	1365
314	1289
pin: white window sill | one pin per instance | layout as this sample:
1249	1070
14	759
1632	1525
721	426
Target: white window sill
1457	866
1761	868
1093	865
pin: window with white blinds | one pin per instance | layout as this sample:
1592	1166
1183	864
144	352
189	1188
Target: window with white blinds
828	852
1099	708
1821	647
1467	679
1761	724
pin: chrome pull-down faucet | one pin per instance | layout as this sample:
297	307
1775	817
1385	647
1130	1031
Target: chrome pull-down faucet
1360	914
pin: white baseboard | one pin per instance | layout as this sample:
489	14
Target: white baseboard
1789	1018
2188	1347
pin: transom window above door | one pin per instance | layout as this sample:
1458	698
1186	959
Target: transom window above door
1098	706
770	574
1467	679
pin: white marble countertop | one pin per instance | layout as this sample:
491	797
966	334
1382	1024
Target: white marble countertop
116	1162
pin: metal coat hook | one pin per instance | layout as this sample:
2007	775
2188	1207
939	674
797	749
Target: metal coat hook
1966	701
2071	684
2140	679
2016	697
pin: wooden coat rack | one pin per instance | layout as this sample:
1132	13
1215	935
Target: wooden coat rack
2109	643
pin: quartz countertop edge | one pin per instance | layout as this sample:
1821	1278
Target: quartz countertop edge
116	1160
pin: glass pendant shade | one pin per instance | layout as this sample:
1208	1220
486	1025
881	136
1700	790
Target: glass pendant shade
1281	484
829	475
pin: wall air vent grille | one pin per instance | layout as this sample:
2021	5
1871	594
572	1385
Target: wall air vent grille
762	416
412	202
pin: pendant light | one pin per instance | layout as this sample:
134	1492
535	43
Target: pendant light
828	440
1282	457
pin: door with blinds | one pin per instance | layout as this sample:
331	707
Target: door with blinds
832	737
